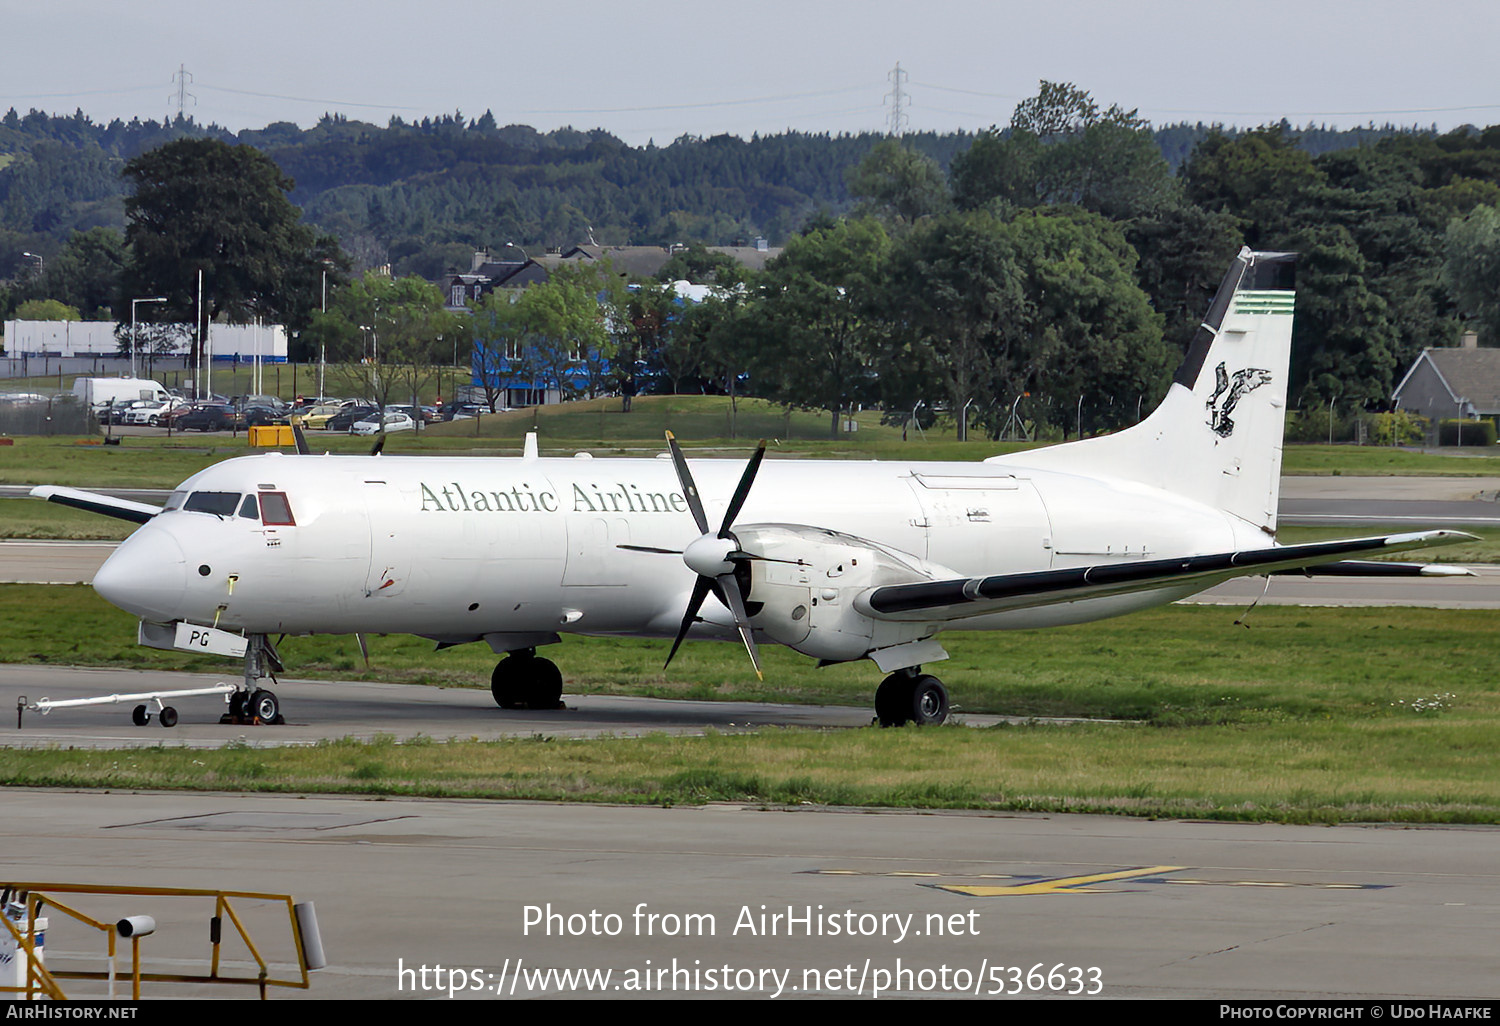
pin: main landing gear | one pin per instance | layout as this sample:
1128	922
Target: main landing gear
911	696
253	704
524	680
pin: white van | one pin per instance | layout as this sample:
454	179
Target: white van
99	391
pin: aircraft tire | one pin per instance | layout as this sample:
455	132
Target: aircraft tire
140	716
167	717
929	701
507	682
264	706
892	700
544	684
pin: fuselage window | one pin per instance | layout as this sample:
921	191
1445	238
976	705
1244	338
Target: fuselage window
274	509
249	508
222	503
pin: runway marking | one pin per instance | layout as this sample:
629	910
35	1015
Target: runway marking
1062	884
1274	883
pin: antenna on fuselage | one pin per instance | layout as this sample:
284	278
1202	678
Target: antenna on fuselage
529	448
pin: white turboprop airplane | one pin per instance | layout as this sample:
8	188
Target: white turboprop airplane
837	560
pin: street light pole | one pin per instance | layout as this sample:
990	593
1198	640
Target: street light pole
323	345
134	345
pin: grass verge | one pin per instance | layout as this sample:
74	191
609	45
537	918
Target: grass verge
704	422
1311	715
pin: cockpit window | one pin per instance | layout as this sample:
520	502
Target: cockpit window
174	501
274	509
249	509
222	503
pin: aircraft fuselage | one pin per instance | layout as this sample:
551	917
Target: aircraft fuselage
465	548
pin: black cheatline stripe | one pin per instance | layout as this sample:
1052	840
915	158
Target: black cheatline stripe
901	598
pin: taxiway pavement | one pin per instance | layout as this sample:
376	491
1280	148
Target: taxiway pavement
1147	909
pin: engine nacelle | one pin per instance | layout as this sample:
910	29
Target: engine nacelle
802	591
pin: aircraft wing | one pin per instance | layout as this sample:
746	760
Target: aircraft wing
975	596
97	502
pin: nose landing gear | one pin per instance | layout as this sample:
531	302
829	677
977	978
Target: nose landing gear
253	704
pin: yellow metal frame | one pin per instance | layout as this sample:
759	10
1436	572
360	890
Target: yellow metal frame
42	982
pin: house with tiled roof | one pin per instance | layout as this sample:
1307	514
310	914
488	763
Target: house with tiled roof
1453	382
512	270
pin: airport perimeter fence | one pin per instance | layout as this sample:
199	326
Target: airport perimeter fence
36	414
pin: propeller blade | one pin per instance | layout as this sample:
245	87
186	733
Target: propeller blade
689	488
701	587
729	589
379	444
302	447
364	648
743	489
650	548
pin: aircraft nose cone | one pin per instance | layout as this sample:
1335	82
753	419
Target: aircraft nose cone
146	575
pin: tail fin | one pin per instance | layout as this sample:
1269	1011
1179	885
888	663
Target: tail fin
1216	437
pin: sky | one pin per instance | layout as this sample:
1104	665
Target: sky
659	69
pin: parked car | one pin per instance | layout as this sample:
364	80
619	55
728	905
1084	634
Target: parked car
260	416
173	417
464	411
151	413
394	421
342	420
119	412
427	414
207	418
316	417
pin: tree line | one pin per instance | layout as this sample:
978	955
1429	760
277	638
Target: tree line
1065	256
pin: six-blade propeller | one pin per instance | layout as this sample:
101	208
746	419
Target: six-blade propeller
713	557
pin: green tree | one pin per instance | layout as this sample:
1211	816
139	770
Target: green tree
1060	148
1060	108
388	336
702	267
86	273
1183	252
811	335
1471	268
569	340
555	334
201	205
47	310
1043	304
897	184
998	166
1261	177
1344	344
1100	343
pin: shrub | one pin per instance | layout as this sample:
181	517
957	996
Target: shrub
1466	432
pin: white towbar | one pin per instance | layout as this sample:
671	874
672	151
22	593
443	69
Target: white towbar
151	703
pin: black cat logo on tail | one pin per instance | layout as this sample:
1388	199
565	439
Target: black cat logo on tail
1230	392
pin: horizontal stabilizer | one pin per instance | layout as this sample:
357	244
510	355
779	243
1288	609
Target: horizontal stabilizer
976	596
97	502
